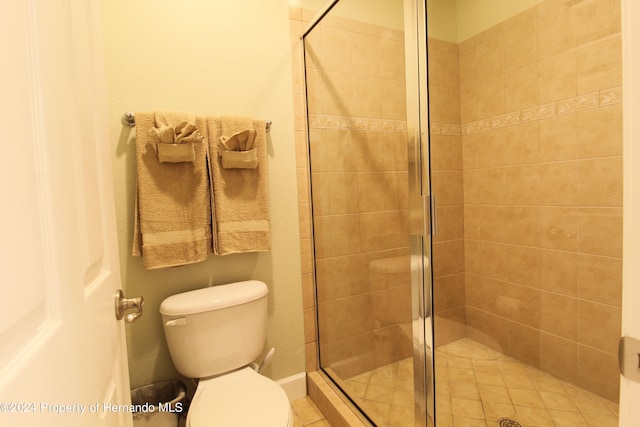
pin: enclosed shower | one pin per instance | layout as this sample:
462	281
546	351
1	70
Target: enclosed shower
465	170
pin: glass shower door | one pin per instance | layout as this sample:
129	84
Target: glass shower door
370	236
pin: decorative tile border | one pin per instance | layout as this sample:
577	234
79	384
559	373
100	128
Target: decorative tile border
446	129
611	96
538	113
602	98
579	103
508	119
566	106
325	121
479	126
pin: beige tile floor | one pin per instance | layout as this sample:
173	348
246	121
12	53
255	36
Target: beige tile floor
475	386
306	413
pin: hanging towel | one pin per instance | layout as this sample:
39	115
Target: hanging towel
240	194
173	204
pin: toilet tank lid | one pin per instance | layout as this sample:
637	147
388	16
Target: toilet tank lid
213	298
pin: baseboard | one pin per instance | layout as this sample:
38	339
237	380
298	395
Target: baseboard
295	386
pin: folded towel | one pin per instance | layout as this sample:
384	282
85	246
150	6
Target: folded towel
240	141
240	196
176	143
173	204
238	150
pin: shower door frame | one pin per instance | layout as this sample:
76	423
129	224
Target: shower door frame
421	210
421	205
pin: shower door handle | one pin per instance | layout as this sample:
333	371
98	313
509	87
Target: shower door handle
430	225
434	216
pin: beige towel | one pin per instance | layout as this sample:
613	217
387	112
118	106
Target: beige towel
175	144
240	196
173	205
238	150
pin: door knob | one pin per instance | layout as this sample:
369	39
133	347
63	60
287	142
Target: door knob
123	304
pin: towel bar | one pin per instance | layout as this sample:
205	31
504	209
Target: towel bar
130	120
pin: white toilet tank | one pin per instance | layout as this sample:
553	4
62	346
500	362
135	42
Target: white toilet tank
215	330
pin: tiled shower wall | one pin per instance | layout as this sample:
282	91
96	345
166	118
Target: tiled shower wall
447	186
541	128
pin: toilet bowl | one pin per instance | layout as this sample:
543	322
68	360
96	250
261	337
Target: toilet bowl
214	334
243	398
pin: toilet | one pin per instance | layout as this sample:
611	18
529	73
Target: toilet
215	334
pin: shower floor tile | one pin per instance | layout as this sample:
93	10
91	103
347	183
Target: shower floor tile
476	386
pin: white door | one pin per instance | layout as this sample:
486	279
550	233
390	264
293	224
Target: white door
62	352
630	391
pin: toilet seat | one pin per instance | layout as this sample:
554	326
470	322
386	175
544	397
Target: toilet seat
242	398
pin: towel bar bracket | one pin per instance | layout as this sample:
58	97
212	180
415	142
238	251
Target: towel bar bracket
128	119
